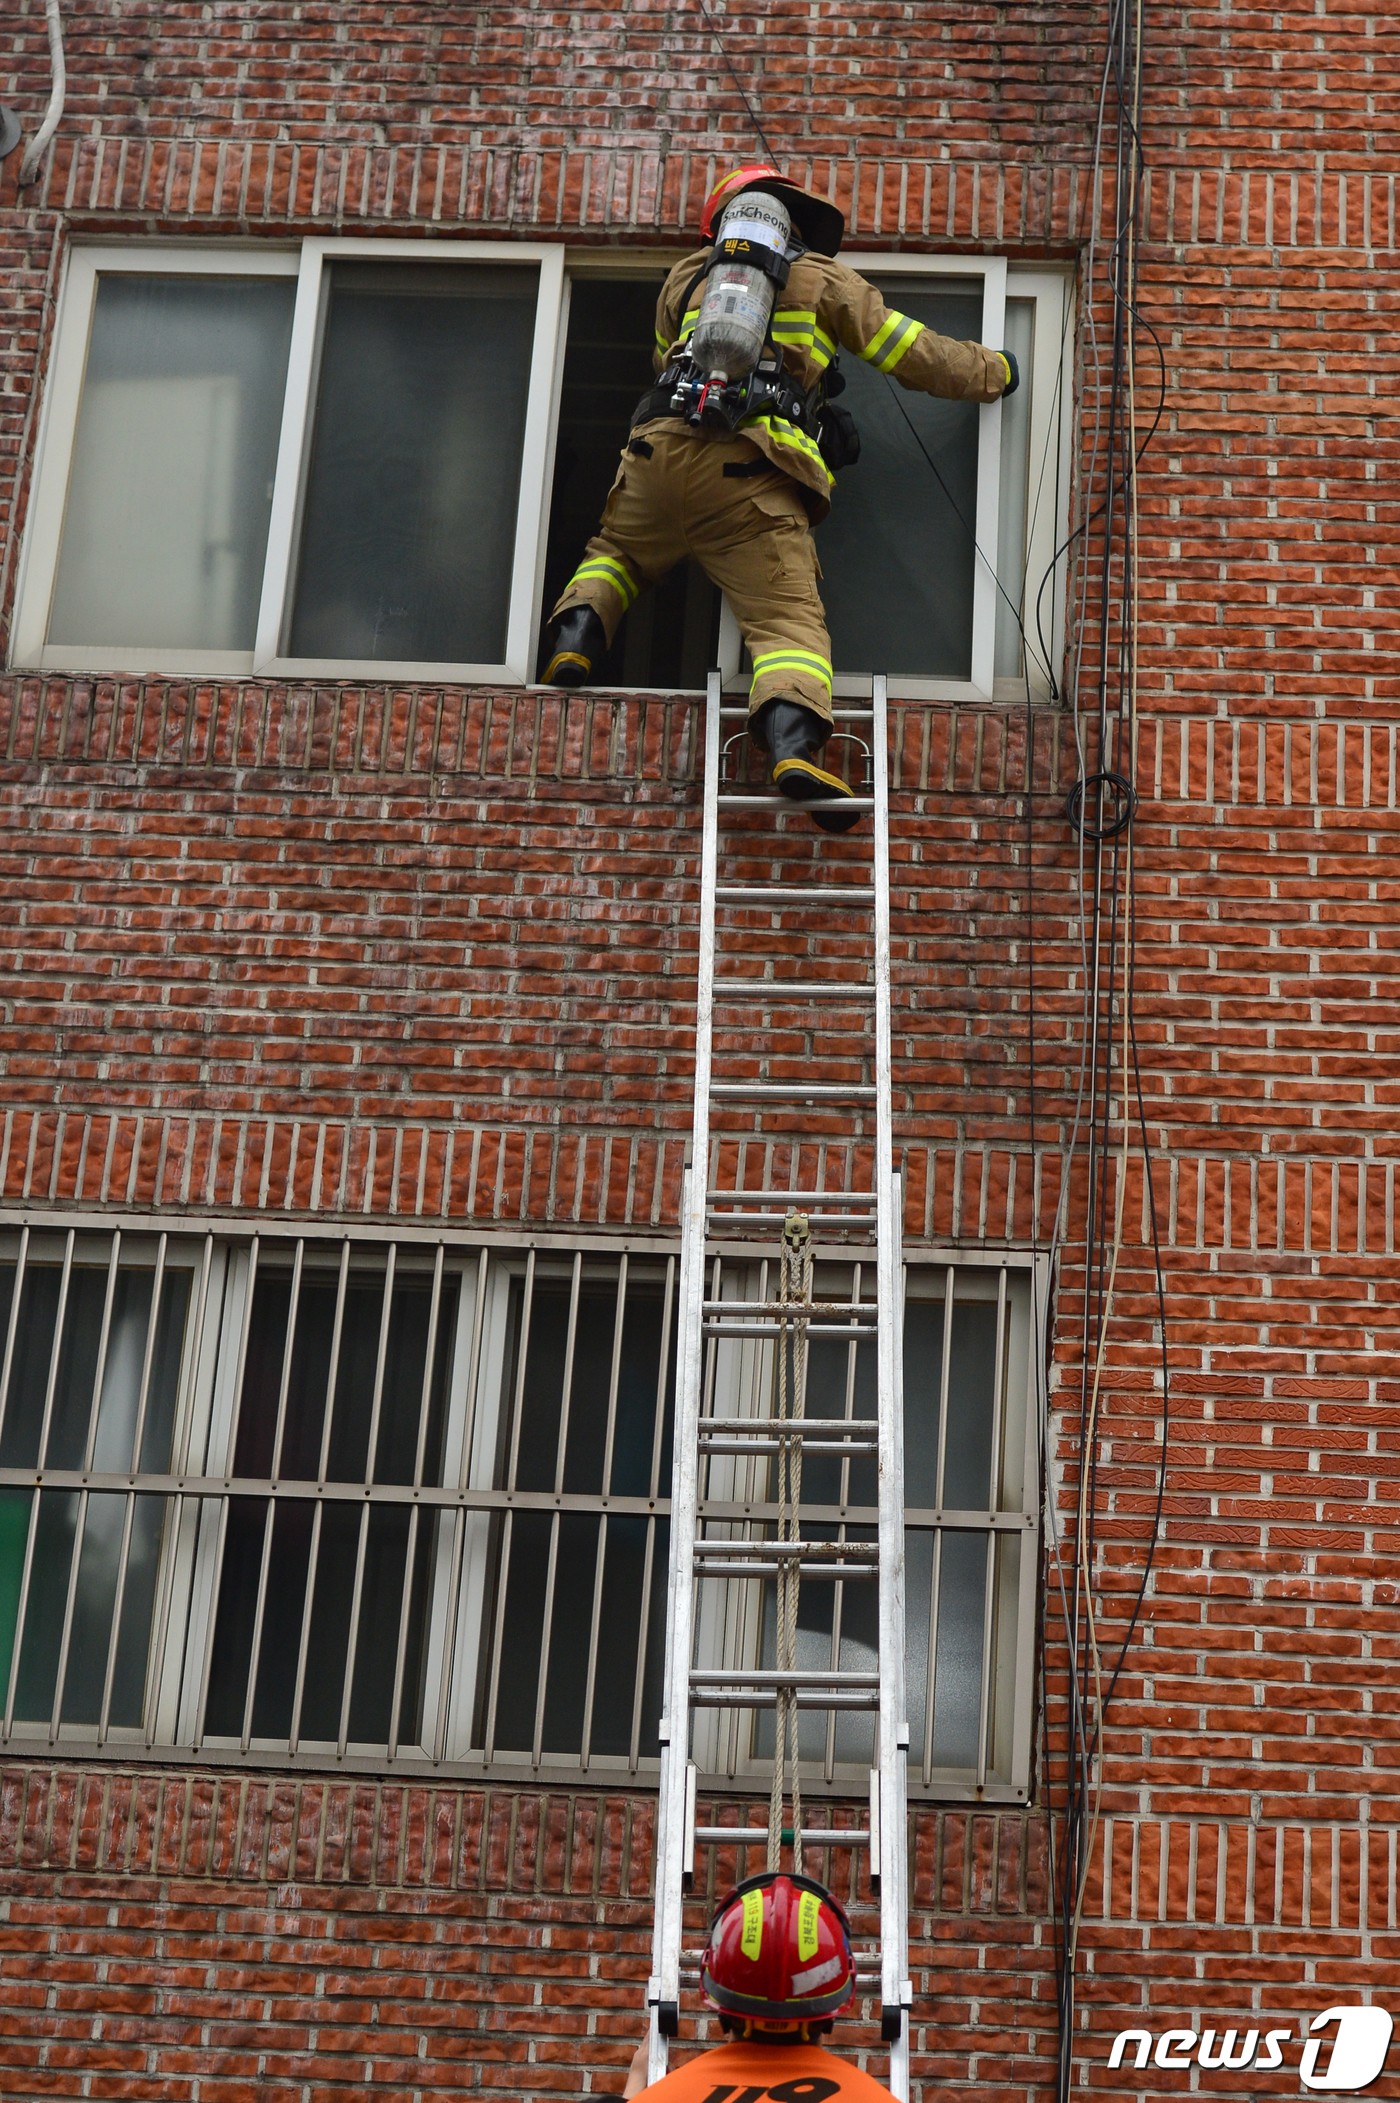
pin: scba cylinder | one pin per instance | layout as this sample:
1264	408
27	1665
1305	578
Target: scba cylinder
737	302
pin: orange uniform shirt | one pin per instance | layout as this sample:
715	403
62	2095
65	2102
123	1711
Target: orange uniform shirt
753	2073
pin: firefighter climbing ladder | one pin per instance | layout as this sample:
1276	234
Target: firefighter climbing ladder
717	1204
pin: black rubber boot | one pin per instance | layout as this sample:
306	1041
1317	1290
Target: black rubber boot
792	735
578	644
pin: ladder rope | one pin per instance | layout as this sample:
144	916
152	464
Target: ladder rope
794	1290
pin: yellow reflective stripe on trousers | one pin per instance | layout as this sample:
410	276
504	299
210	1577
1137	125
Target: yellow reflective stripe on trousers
608	571
889	343
771	664
788	434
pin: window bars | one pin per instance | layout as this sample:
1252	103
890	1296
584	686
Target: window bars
403	1504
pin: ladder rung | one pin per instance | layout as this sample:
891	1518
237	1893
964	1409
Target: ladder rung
731	1442
794	1310
816	1197
843	1573
732	798
825	1427
797	1092
738	711
865	1975
775	1219
807	1698
810	1836
759	1330
770	1677
856	1551
792	894
794	989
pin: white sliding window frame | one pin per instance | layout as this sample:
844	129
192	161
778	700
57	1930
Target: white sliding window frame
1023	464
310	265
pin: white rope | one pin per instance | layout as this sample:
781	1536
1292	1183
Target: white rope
794	1290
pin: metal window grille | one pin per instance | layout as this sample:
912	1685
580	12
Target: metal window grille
383	1504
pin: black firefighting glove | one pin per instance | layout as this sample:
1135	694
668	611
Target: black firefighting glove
1013	373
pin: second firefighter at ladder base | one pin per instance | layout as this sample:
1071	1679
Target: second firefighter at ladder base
735	468
778	1968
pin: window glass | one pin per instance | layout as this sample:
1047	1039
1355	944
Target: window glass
670	638
170	491
446	1530
899	562
309	1561
413	484
94	1558
550	1573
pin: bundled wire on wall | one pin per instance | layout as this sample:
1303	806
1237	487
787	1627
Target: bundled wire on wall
1109	1116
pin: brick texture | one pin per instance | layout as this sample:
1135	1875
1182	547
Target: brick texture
496	891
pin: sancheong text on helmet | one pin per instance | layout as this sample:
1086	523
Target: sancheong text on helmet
779	1952
819	224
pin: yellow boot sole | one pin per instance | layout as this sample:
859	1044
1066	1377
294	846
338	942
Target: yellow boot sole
805	782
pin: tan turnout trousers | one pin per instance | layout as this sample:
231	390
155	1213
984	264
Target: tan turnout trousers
718	500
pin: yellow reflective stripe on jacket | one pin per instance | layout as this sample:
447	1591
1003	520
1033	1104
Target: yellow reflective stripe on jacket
771	663
799	329
608	570
783	433
688	322
889	343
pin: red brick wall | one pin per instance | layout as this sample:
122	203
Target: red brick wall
1250	1806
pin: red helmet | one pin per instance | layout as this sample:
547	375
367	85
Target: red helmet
779	1952
819	223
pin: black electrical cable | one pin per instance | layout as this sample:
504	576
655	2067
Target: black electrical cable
723	46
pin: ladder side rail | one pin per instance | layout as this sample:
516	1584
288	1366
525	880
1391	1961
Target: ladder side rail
896	1991
893	1722
672	1837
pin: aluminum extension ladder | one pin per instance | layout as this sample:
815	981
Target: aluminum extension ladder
712	1210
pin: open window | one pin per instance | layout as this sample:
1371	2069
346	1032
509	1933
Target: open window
382	459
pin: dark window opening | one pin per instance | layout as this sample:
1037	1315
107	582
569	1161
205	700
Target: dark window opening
670	638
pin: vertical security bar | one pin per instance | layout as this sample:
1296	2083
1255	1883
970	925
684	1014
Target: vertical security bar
270	1517
658	1432
221	1537
89	1449
984	1719
182	1461
673	1842
552	1572
595	1619
27	1572
323	1462
12	1328
415	1516
352	1638
129	1514
459	1535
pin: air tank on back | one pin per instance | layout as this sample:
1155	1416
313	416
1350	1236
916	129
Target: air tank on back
737	301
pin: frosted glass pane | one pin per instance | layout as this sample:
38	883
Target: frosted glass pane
414	482
972	1402
957	1701
165	528
898	561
